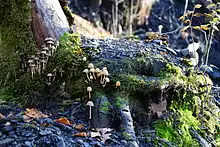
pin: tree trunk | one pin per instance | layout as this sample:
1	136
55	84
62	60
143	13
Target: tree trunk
48	20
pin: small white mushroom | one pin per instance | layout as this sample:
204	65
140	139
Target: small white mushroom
91	77
160	27
90	66
61	73
89	90
43	64
107	80
105	73
50	43
92	73
87	71
84	59
90	104
49	75
43	54
118	84
32	67
49	39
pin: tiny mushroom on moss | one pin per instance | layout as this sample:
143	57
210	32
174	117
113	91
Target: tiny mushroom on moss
90	104
90	66
105	73
160	27
92	72
107	80
86	71
49	75
84	59
118	84
89	90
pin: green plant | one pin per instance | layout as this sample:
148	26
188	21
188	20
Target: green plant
212	21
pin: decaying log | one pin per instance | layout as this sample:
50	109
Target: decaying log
48	20
126	125
100	113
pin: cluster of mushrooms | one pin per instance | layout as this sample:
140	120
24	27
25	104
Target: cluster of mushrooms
37	63
94	74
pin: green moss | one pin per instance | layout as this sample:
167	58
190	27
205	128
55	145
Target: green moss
15	37
177	130
126	136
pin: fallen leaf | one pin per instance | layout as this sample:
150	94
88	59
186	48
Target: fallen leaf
79	126
34	113
1	116
80	134
63	120
197	6
95	134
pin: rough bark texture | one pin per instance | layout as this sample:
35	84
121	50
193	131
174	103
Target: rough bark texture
48	20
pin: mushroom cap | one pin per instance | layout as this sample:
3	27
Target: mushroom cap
33	56
107	79
97	70
50	42
36	58
160	26
30	61
104	68
86	70
118	83
92	70
43	61
90	103
43	45
90	65
49	39
84	59
105	72
49	75
45	49
43	52
91	77
89	89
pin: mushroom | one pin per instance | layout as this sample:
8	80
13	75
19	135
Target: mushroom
87	71
49	39
106	81
92	72
32	67
30	61
89	90
90	104
43	53
104	68
49	75
57	44
160	27
52	50
118	84
105	73
43	64
50	43
45	49
91	77
90	66
43	45
61	72
37	64
84	59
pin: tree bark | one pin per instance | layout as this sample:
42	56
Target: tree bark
48	20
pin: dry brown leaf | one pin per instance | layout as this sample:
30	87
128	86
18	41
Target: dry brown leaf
34	113
79	126
80	134
64	121
1	116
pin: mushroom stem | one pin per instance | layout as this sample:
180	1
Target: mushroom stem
89	95
32	73
104	84
94	75
90	112
88	76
